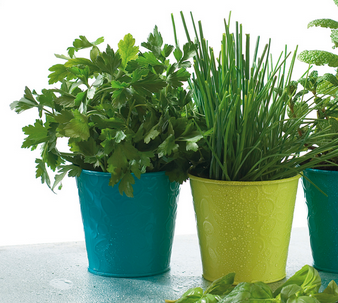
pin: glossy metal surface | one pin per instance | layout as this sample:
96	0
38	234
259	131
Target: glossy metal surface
322	217
244	227
128	237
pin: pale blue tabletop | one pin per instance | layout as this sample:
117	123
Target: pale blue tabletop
58	273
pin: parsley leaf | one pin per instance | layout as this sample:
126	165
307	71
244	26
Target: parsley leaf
127	49
122	111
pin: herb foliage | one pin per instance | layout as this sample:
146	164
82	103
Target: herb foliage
125	112
321	89
302	287
321	57
243	102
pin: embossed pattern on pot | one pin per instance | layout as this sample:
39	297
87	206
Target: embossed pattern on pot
128	237
244	227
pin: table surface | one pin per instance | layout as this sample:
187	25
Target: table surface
58	273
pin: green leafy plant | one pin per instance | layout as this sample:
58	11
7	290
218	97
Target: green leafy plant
302	287
244	102
321	89
323	92
125	112
321	57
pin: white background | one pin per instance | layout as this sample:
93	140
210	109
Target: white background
31	32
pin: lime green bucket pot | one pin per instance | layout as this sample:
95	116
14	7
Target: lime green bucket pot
244	227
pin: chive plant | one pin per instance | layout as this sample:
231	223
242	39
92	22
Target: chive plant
243	104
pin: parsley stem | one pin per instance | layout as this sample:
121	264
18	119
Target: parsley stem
129	113
47	111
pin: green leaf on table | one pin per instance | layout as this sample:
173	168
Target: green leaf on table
221	286
251	292
191	296
332	288
307	277
329	295
208	298
127	49
290	291
325	298
303	299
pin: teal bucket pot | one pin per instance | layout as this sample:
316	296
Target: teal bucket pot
322	217
128	237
